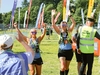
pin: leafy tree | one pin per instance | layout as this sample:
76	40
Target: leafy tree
75	6
1	18
34	14
47	13
80	4
37	2
6	18
59	9
25	3
84	4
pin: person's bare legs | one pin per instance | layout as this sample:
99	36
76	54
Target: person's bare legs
63	63
32	69
38	69
67	67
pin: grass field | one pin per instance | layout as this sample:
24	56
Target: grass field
49	52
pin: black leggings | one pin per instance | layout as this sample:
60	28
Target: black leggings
87	59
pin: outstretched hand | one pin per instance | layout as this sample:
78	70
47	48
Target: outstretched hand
78	51
19	38
15	25
53	12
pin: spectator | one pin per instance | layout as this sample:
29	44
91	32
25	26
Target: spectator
85	45
78	56
11	63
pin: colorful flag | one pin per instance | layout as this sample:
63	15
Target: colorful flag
42	17
66	4
90	7
82	16
99	22
67	9
39	14
25	19
28	13
39	21
64	9
13	10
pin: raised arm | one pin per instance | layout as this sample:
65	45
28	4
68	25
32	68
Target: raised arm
53	22
43	34
73	22
17	29
26	46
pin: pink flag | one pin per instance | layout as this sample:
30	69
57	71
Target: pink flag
55	20
28	13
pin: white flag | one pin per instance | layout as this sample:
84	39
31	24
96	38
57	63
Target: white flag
82	16
25	19
67	9
99	21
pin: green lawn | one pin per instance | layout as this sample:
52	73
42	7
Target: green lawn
51	64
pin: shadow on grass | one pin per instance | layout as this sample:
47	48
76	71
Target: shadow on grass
42	52
18	52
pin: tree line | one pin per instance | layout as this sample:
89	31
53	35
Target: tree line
75	7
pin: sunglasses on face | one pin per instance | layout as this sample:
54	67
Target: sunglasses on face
34	32
63	25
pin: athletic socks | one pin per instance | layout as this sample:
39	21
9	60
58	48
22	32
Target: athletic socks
66	72
61	72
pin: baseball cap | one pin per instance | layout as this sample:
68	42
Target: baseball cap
6	39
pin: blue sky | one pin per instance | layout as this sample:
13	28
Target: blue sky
7	5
